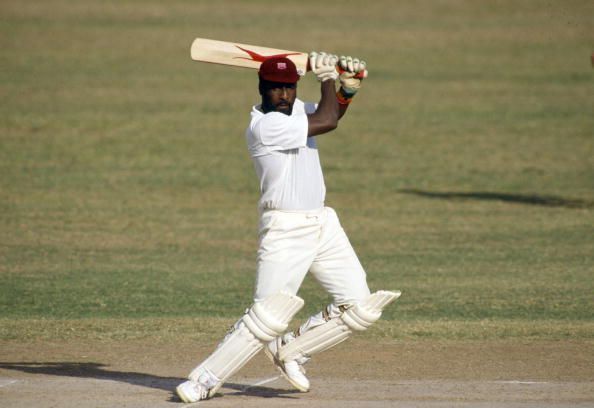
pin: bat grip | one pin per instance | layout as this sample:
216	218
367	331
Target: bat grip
360	75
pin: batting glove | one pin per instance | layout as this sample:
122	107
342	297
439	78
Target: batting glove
323	65
350	67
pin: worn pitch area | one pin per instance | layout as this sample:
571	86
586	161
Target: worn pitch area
404	374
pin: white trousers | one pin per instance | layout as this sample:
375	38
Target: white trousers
293	243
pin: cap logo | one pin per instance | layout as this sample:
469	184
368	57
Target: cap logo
281	65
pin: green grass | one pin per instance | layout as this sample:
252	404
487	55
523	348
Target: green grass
463	172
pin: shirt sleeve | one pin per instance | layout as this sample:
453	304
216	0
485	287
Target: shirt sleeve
278	131
310	107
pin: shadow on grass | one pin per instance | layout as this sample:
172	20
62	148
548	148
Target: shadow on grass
530	199
96	371
99	371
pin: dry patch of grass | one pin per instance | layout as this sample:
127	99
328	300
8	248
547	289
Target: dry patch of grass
210	330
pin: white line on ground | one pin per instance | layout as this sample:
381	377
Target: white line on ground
262	382
520	382
8	383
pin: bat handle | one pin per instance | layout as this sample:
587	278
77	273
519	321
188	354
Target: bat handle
361	75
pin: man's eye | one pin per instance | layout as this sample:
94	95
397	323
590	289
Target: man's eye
280	88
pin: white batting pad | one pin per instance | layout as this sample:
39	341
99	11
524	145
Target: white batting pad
264	321
269	318
364	314
334	331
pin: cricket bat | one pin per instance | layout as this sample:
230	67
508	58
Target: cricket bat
247	56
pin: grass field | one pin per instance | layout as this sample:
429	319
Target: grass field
463	173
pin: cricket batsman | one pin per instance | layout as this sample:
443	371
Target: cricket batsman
297	232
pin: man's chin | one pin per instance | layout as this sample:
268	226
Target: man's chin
286	109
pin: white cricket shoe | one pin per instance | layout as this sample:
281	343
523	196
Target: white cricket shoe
191	391
291	370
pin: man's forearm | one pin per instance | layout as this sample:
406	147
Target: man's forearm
328	103
327	114
342	110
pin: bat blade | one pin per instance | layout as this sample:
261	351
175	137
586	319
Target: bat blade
242	55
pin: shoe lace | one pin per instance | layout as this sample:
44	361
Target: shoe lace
201	390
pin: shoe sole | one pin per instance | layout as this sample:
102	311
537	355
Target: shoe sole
280	367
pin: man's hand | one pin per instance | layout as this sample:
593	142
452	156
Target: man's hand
323	65
350	67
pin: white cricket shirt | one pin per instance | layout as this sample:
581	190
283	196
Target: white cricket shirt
286	160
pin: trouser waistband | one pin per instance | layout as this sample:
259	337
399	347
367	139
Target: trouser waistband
316	211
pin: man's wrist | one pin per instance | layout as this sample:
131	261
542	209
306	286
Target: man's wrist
344	97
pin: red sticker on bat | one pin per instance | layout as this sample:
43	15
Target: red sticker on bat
261	58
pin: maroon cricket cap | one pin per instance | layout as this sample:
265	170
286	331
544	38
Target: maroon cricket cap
279	69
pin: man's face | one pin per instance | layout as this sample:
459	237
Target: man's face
278	97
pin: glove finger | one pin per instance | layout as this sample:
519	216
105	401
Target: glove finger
318	60
356	64
344	64
334	60
350	63
362	66
321	61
